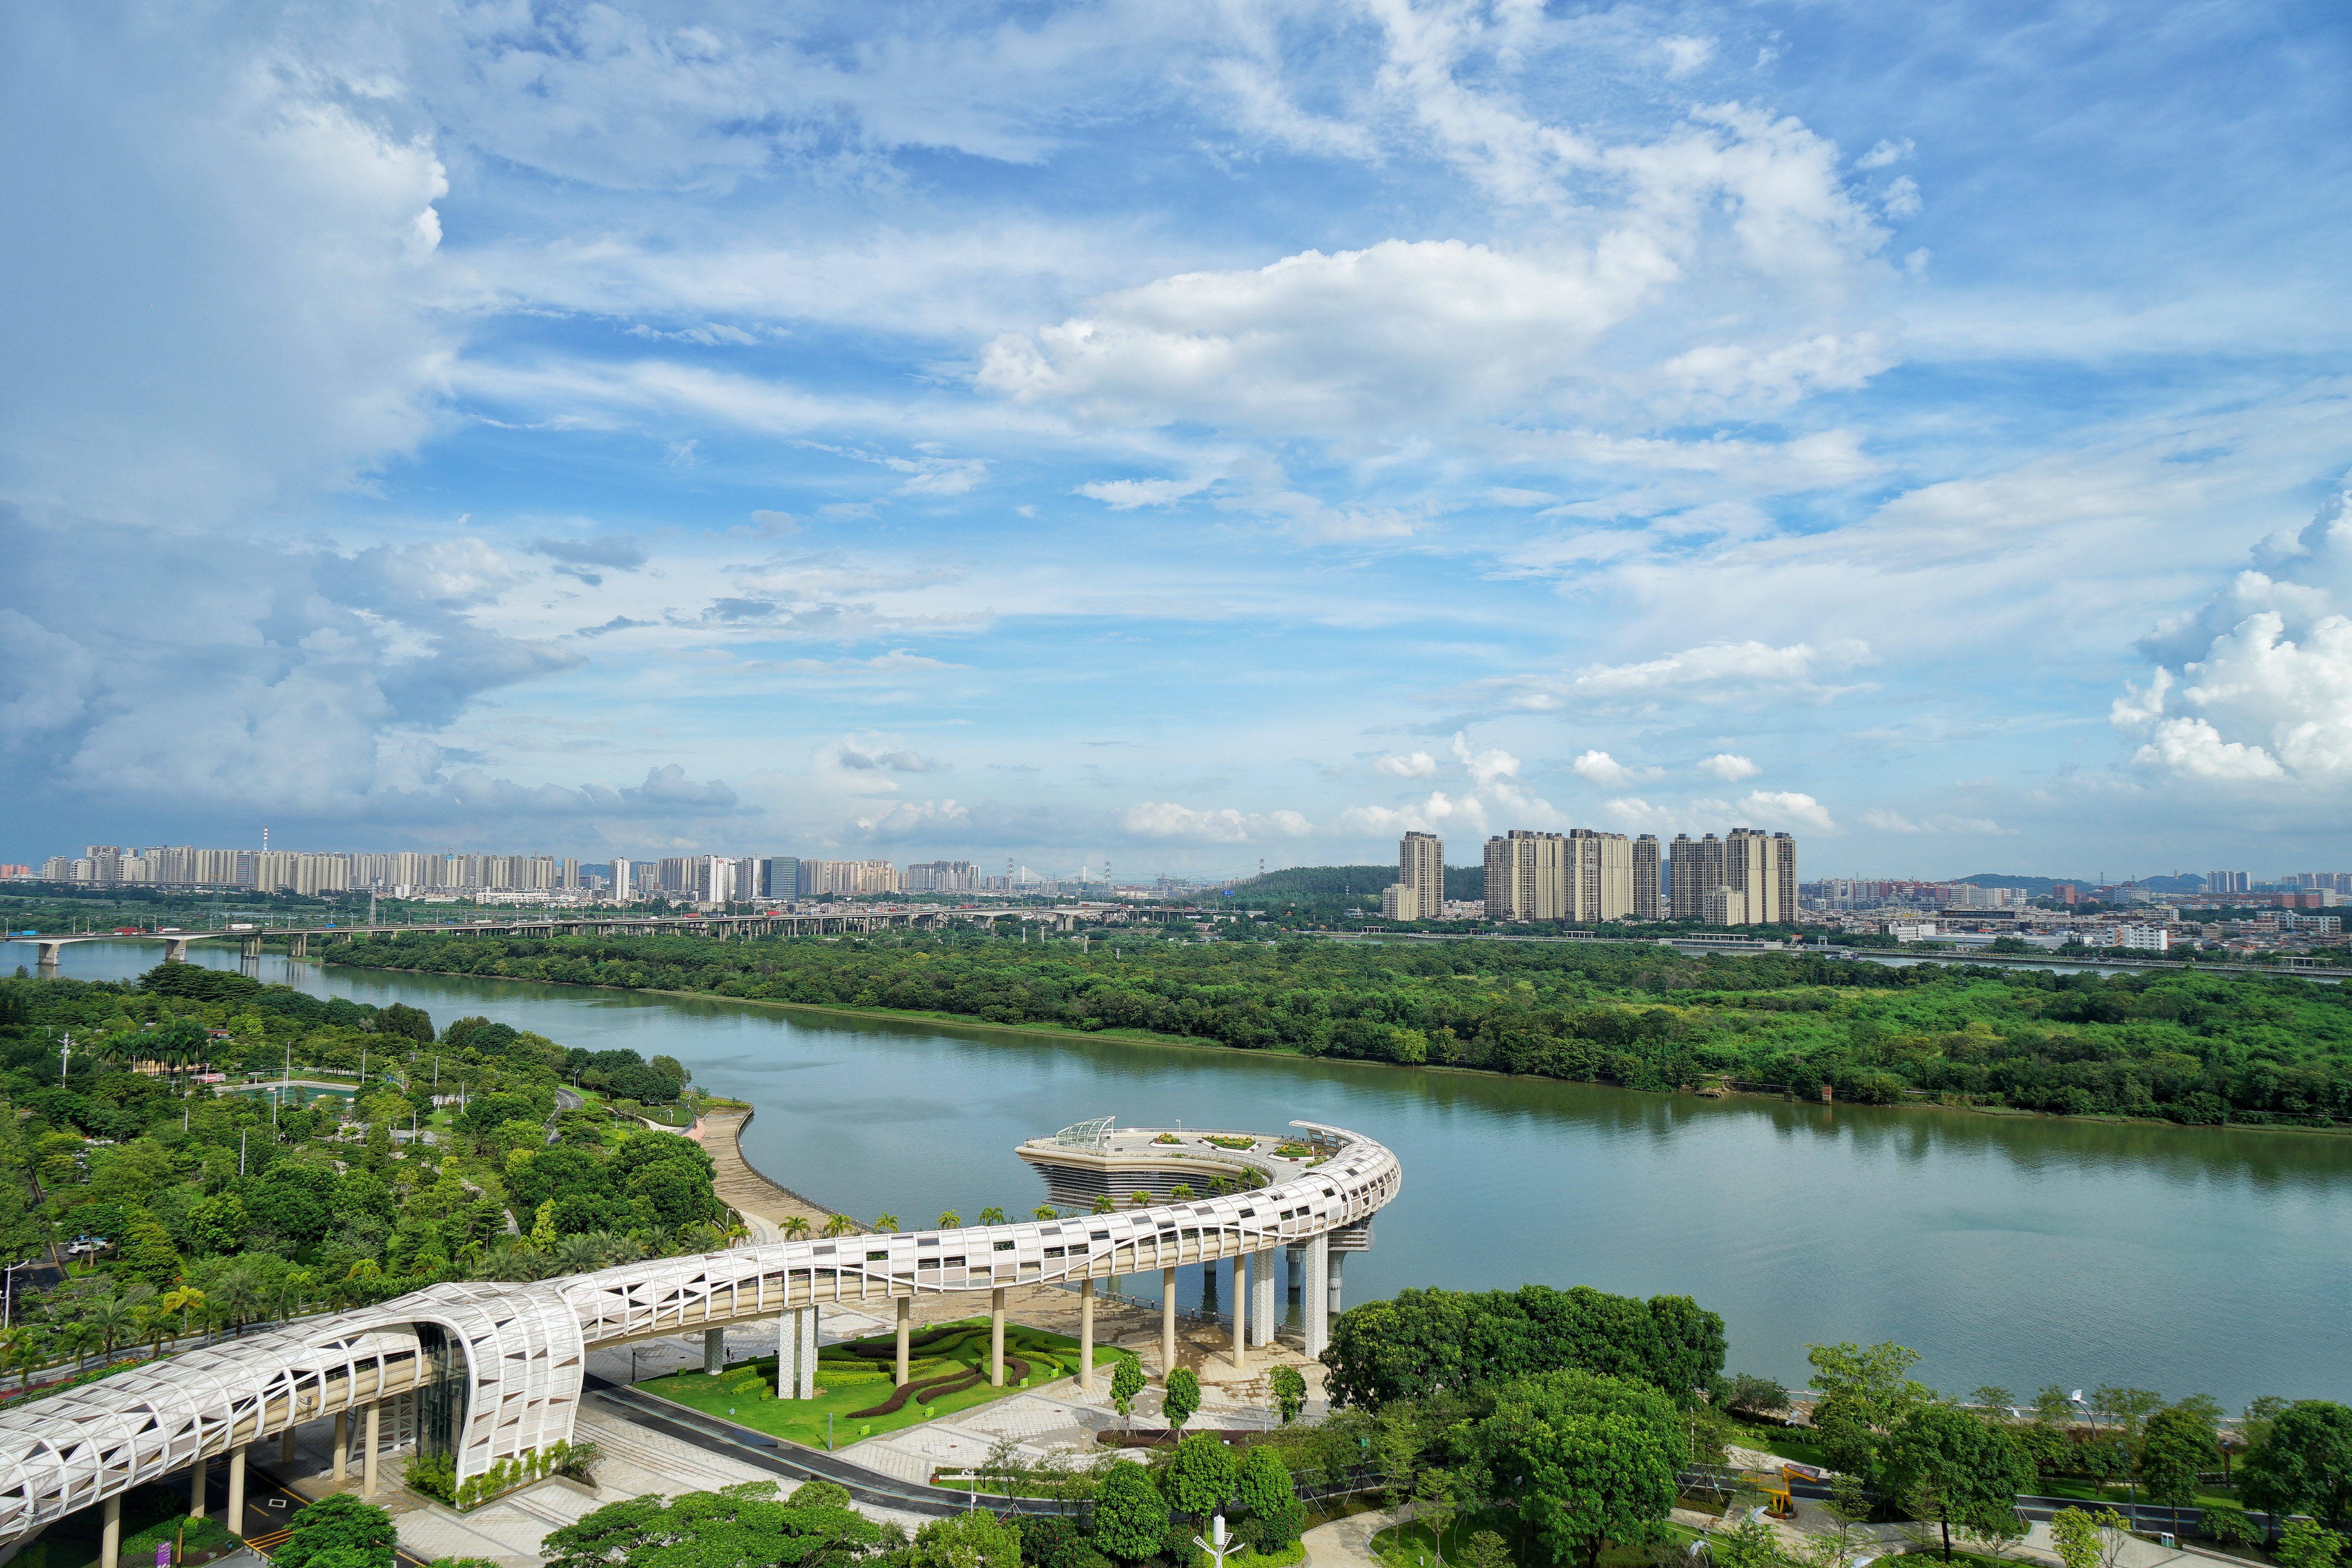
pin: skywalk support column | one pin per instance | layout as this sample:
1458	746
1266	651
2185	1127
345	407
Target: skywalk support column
1166	1323
285	1446
906	1327
805	1352
1264	1310
196	1489
235	1521
1315	1295
342	1441
110	1537
367	1457
996	1338
1241	1312
714	1351
1085	1341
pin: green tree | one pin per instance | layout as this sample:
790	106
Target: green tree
1289	1391
1863	1396
991	1215
1276	1514
1956	1469
1126	1383
1201	1476
2303	1464
740	1525
2307	1544
1587	1459
1131	1516
974	1540
885	1224
338	1531
1103	1205
1181	1397
1485	1549
216	1225
1045	1211
2088	1540
2126	1409
950	1220
2177	1444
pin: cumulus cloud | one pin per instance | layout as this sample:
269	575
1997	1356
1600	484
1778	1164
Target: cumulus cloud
2255	689
1495	793
1728	767
1601	768
1782	811
1411	765
1165	819
878	753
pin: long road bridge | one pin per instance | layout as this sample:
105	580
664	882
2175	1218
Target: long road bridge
486	1370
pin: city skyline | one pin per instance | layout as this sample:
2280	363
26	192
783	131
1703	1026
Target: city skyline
1180	437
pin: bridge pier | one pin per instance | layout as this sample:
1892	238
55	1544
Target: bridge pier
1314	1297
175	950
235	1521
796	1353
1337	1263
1264	1310
47	958
300	947
714	1351
996	1338
109	1535
196	1478
368	1459
1166	1323
1241	1312
342	1444
1086	1336
906	1329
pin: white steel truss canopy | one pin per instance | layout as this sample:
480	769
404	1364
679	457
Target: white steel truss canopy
523	1344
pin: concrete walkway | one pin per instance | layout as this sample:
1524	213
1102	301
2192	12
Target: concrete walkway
1346	1542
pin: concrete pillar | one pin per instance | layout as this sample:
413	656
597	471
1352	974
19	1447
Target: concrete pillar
1315	1295
905	1328
1338	1261
196	1489
235	1521
1166	1323
996	1338
367	1456
1266	1311
1086	1341
714	1351
285	1446
110	1537
797	1349
342	1440
1240	1313
175	950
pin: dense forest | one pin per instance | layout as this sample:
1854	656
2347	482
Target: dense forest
2183	1046
194	1205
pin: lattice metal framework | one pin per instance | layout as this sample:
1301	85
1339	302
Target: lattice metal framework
523	1344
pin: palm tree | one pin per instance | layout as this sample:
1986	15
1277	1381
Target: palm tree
842	1225
991	1215
884	1224
580	1253
1182	1192
1045	1211
1103	1205
1139	1200
242	1297
950	1220
797	1228
111	1319
183	1301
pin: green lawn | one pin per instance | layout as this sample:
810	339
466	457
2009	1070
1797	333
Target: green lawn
848	1382
1781	1440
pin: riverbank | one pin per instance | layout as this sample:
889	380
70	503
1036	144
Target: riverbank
1905	1100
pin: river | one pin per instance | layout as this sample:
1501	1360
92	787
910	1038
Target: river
2011	1250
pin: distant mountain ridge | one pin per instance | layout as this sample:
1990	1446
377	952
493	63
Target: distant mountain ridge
2040	885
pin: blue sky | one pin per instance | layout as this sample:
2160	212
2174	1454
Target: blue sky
1177	433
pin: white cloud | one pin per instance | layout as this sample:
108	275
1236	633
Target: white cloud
1784	809
1902	198
1125	495
2263	692
1729	768
1685	54
1413	766
1886	152
1713	673
1165	819
1601	768
1943	821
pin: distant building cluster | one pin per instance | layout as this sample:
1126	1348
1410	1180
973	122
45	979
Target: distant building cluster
297	871
1585	876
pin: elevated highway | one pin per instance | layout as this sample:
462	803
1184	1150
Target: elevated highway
489	1371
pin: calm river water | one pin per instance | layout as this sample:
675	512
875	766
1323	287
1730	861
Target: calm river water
2016	1251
